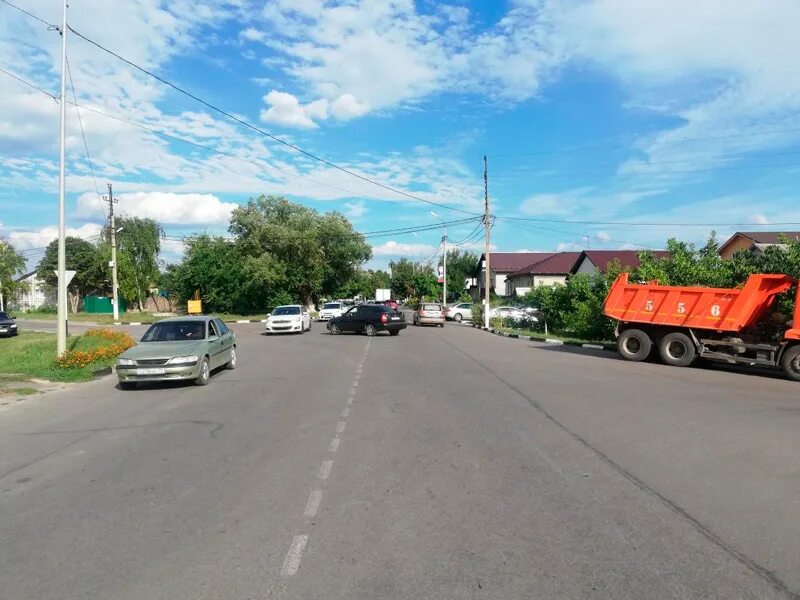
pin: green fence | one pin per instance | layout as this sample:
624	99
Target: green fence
101	305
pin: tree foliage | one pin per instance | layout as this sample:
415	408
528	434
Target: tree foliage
81	257
461	265
11	264
138	265
413	280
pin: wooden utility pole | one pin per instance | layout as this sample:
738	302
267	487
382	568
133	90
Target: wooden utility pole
487	223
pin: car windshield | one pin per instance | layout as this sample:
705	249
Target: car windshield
431	307
332	305
4	315
176	331
286	310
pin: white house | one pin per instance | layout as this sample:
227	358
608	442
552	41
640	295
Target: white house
550	271
33	293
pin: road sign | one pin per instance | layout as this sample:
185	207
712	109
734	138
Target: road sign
68	275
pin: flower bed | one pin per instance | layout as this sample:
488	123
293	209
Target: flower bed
104	344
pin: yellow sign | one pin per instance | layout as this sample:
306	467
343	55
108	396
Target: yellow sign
195	307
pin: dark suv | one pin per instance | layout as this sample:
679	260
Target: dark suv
368	319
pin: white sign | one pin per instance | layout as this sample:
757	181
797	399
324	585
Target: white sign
68	275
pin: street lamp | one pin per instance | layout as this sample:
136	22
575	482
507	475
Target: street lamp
444	260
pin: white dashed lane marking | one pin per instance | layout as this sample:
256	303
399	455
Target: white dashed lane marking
345	413
334	445
325	469
292	561
312	506
340	426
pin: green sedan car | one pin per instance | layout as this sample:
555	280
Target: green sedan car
184	348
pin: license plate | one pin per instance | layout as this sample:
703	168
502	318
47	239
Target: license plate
3	330
151	371
395	318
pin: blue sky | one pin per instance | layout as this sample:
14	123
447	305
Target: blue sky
638	118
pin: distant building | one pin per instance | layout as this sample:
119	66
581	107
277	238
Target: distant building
502	264
591	262
550	271
33	293
755	241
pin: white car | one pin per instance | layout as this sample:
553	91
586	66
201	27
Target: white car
291	318
459	312
330	310
509	312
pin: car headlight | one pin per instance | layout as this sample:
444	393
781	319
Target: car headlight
126	362
182	360
14	326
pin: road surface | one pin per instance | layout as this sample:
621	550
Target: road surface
443	463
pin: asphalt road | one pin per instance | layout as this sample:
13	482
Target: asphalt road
437	464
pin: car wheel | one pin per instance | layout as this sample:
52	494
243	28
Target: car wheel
457	318
791	362
127	385
334	329
441	325
634	344
677	349
205	373
232	362
369	330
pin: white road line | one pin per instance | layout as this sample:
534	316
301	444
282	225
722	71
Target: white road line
345	413
594	346
355	384
340	427
334	445
292	561
552	341
350	401
243	321
325	469
312	506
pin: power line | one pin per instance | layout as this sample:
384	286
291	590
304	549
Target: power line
573	235
648	224
28	83
576	174
83	133
262	131
31	15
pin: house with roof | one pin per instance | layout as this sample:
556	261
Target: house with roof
32	292
549	271
501	265
755	241
592	262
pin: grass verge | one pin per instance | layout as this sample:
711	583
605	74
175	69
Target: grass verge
33	355
539	336
104	319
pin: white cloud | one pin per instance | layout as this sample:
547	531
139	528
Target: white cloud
602	236
569	247
355	210
398	249
165	207
286	109
346	107
27	239
251	34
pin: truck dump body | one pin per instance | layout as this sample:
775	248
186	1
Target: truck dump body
718	309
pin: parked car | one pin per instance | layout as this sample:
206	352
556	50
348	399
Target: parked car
508	312
368	319
182	348
290	318
330	310
429	313
8	326
459	312
394	304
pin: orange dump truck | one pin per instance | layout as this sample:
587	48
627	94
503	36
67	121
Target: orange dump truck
728	325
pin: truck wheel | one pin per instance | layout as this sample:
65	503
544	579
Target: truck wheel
634	344
677	349
791	362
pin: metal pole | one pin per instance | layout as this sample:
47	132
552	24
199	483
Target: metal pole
487	223
444	271
114	289
61	341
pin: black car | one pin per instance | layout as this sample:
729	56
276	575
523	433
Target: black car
368	319
8	326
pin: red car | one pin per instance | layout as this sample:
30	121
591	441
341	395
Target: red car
391	303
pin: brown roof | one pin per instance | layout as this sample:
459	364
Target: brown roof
560	263
508	262
763	237
627	258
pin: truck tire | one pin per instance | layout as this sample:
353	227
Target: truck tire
634	344
677	349
791	362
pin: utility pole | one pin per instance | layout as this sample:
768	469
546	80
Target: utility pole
487	223
114	288
444	270
61	337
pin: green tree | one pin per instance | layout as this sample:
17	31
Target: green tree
291	251
11	264
81	257
138	265
461	265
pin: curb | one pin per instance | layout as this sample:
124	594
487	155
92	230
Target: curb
134	323
103	372
554	342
